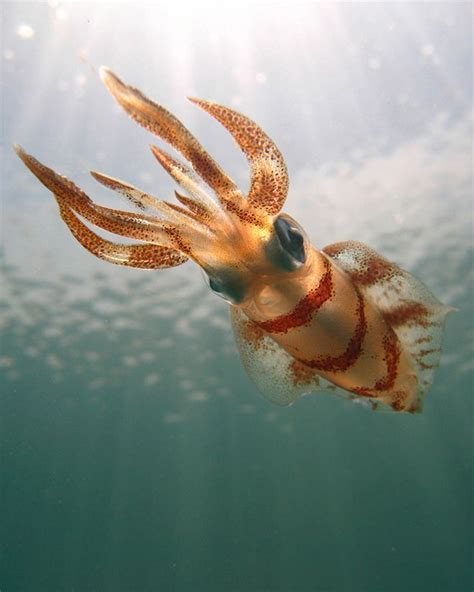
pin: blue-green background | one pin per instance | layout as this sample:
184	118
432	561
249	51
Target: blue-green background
135	453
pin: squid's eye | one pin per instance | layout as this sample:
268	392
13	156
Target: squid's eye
291	238
228	288
216	287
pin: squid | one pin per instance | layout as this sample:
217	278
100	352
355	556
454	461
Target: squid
341	319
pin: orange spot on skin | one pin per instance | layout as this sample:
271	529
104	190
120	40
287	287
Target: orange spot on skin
200	210
303	312
425	366
408	313
377	270
251	333
398	400
175	236
301	374
244	215
420	340
269	179
427	352
371	268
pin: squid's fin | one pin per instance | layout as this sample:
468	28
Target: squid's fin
407	305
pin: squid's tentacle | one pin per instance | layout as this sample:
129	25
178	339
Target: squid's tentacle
269	175
169	211
161	122
146	256
131	225
139	198
197	207
185	177
188	213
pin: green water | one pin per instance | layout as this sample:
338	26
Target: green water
135	453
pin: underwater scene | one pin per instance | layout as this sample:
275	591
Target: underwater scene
136	452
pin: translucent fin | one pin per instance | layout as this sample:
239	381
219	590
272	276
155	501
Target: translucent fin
269	176
143	256
279	377
412	311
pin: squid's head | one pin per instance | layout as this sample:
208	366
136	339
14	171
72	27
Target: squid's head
242	259
242	242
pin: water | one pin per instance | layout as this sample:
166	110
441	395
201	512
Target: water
135	453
